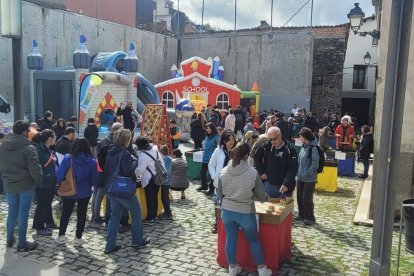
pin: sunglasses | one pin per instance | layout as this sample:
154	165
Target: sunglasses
273	139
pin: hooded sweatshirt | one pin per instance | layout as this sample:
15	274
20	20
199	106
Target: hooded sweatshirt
238	186
19	164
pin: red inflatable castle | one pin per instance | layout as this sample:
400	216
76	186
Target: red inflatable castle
197	85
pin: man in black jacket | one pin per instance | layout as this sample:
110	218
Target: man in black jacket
64	144
46	123
277	165
126	113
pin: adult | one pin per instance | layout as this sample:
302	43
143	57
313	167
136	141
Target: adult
47	121
270	121
282	125
323	139
311	123
64	144
214	118
92	133
238	185
212	141
197	132
221	157
126	114
249	126
277	164
179	179
307	176
43	219
59	128
119	156
344	134
208	111
240	120
86	175
21	172
99	188
295	109
230	122
73	122
365	149
334	122
147	154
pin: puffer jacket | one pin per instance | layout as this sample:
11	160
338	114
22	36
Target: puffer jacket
308	165
210	145
48	162
179	179
19	164
128	163
86	174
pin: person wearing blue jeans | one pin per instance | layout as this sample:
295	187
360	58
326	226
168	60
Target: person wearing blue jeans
21	173
19	207
272	190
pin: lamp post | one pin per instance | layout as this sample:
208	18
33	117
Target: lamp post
367	59
355	17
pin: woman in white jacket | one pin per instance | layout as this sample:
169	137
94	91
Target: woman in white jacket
230	122
219	159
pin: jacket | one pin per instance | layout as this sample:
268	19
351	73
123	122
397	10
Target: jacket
210	145
144	162
91	133
48	162
59	131
45	124
365	148
197	131
216	164
126	113
238	186
308	167
280	165
19	164
341	136
230	122
167	164
86	174
323	142
103	148
63	145
284	128
240	119
179	179
128	164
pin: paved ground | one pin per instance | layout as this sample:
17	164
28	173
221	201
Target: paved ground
185	246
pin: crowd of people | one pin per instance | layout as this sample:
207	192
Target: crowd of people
246	158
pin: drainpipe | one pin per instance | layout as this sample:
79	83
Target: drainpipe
390	136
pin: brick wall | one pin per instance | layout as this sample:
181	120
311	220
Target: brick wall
328	61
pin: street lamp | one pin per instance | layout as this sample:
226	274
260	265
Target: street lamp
355	17
367	59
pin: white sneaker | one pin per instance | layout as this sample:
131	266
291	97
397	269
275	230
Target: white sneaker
78	242
264	271
61	239
235	270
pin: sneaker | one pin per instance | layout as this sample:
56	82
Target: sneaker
309	222
202	188
164	216
214	229
98	221
149	222
78	242
299	218
145	242
11	243
233	271
52	226
116	248
363	176
210	192
61	240
27	246
44	232
264	271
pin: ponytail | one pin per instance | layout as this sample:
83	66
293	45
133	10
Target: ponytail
238	153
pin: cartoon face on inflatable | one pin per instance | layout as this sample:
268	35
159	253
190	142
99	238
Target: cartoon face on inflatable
184	108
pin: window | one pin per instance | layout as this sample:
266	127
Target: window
222	101
359	77
168	99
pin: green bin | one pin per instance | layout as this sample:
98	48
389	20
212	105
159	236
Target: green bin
193	172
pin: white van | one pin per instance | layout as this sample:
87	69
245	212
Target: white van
6	115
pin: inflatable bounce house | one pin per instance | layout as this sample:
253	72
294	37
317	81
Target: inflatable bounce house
93	88
250	100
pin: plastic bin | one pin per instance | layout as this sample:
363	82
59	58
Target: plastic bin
193	172
408	211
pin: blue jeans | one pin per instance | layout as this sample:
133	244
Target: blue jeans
19	207
232	221
134	208
272	190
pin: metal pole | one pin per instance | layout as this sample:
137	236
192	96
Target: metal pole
387	173
178	25
235	14
311	21
271	15
17	78
202	17
156	15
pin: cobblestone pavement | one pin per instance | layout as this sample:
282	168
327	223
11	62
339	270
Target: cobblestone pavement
185	246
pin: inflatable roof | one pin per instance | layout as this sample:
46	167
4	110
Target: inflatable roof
108	61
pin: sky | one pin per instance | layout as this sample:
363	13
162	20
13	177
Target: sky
220	13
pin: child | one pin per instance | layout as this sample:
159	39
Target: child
165	189
175	134
179	180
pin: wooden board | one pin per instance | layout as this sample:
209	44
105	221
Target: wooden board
155	125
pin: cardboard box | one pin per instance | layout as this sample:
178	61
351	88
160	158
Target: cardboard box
265	217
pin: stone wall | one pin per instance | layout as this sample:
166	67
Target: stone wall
328	61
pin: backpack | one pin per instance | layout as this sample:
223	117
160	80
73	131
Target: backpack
321	157
160	176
